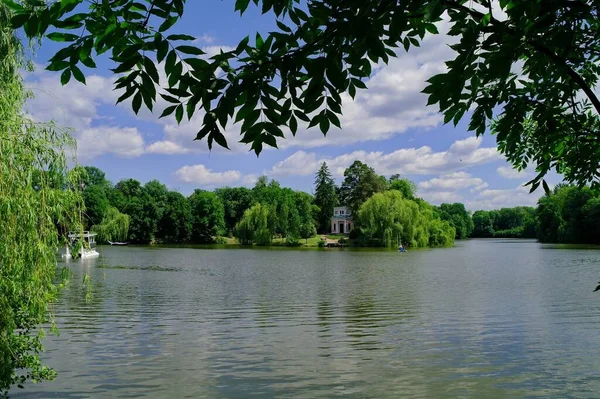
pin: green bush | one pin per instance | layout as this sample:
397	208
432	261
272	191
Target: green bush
292	241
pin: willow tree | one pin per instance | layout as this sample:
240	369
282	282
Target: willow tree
254	227
35	198
394	220
114	226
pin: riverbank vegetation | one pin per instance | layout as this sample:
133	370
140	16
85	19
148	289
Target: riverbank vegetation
569	214
387	212
37	204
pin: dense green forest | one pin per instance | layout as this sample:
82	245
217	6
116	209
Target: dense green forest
567	214
517	222
386	212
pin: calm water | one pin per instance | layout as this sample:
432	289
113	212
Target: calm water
491	319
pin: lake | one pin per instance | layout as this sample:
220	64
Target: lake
487	318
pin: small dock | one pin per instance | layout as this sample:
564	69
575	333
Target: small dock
330	242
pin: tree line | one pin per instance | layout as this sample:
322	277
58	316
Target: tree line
386	211
566	214
151	213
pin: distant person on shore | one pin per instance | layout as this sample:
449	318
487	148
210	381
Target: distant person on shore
401	248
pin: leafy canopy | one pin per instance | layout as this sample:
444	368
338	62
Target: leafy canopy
529	66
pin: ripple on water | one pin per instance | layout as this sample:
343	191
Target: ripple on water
490	319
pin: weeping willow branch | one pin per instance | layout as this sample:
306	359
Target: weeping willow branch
114	226
36	203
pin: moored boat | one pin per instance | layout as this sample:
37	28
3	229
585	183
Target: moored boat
81	245
118	243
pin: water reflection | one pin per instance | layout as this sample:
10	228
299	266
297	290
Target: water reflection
484	319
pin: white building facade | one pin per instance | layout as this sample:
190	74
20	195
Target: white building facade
341	221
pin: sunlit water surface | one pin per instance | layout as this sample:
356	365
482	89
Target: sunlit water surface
491	319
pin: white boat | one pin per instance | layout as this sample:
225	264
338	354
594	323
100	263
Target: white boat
118	243
86	250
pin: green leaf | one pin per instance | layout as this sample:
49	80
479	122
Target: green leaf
269	140
19	20
128	93
58	65
128	65
65	76
88	62
352	90
431	28
12	5
324	124
180	37
151	69
31	26
485	20
136	104
534	186
190	50
546	188
162	50
333	118
259	41
220	139
242	45
241	5
293	125
62	37
170	62
170	99
77	74
179	113
167	24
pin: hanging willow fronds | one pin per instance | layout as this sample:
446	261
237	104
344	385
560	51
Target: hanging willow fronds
114	226
36	202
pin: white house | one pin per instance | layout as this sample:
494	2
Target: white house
341	221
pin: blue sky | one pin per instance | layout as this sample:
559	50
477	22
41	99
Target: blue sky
388	126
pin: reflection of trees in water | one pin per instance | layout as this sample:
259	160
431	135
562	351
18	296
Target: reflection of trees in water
73	296
127	309
374	300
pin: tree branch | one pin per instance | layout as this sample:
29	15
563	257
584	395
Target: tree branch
537	46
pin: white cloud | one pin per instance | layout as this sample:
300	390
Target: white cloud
214	50
74	105
121	141
453	182
407	161
205	38
249	180
200	174
495	199
166	147
439	197
510	173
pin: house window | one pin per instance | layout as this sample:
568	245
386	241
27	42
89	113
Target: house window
347	212
334	226
336	212
341	212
